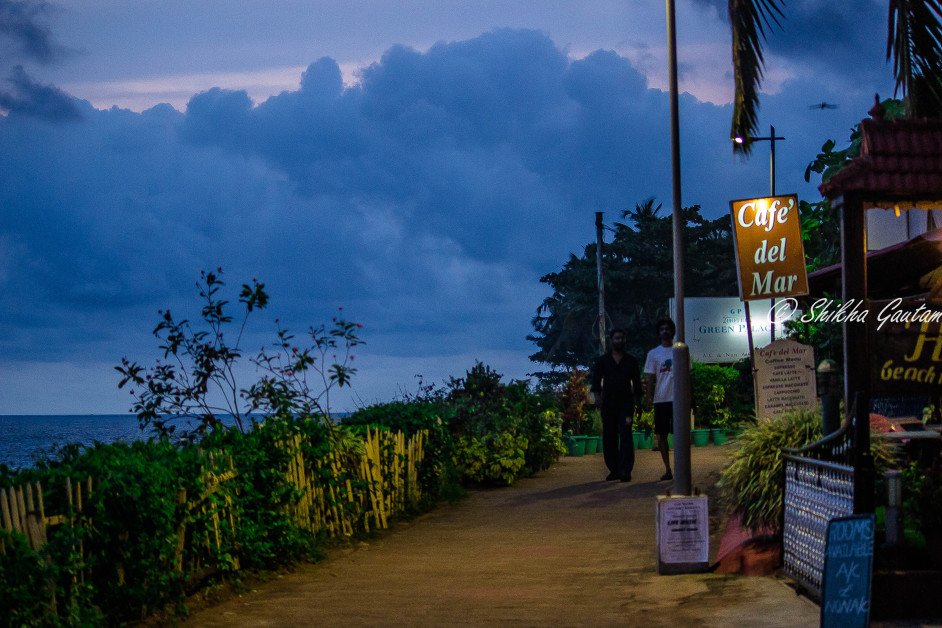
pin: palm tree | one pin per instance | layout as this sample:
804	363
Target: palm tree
914	43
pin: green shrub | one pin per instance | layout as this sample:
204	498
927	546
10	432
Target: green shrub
644	422
922	499
491	459
437	475
574	401
481	432
751	484
710	384
593	422
536	417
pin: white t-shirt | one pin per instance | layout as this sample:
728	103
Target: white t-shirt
659	362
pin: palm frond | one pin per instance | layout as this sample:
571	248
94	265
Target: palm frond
749	21
914	43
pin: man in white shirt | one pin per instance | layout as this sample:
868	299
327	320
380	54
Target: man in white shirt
659	388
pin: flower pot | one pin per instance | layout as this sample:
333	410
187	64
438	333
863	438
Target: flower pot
575	445
645	439
719	436
596	445
652	439
700	437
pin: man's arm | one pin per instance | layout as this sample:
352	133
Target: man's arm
636	387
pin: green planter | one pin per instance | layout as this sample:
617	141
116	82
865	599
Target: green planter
576	445
596	442
644	439
700	437
638	438
719	436
652	441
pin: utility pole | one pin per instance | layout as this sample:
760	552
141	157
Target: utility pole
601	279
680	369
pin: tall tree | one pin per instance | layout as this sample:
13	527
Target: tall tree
638	267
914	44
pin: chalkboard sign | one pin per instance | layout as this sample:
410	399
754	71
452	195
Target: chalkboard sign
848	565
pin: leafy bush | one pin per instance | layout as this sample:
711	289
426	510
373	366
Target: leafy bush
922	499
492	433
194	389
495	458
644	422
574	401
710	383
497	425
593	422
751	484
438	475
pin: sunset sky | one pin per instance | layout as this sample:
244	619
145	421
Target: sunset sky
419	163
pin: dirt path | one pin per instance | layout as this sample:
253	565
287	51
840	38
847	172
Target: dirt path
563	548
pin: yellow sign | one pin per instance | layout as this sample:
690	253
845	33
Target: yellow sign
769	254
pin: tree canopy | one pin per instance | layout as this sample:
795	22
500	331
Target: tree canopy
638	267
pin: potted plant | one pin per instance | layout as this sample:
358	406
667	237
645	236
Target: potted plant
643	430
592	426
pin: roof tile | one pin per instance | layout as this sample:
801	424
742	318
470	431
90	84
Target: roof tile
902	158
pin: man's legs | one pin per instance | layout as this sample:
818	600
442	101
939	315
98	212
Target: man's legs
663	425
626	448
610	442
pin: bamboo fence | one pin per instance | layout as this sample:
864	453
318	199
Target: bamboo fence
340	494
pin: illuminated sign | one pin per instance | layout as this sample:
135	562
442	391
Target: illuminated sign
715	327
770	256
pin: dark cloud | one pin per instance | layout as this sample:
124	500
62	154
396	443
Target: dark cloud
23	35
845	40
428	199
31	99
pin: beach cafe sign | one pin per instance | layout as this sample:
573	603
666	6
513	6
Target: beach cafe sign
905	346
770	256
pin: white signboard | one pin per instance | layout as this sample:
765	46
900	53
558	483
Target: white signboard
715	327
785	378
683	534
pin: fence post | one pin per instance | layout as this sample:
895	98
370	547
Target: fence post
864	470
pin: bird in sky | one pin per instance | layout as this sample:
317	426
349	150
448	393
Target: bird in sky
822	105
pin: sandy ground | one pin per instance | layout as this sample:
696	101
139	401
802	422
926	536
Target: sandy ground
561	548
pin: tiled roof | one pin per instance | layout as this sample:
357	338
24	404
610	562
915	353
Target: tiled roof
899	159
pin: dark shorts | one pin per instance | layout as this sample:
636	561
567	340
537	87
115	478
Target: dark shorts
664	418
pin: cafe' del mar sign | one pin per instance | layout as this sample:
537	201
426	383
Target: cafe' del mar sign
770	256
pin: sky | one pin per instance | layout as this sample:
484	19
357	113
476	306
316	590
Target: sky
420	164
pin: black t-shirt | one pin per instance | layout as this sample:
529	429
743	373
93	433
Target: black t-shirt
618	383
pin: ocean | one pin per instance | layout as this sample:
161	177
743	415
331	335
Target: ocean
23	437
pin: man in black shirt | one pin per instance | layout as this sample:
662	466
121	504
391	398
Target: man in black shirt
616	385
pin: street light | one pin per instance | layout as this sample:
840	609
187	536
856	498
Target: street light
771	139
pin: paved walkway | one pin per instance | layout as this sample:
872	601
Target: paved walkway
562	548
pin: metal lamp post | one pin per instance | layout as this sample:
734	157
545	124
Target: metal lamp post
681	354
771	139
